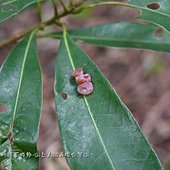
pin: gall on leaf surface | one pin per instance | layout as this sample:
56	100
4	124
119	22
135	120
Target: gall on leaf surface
98	128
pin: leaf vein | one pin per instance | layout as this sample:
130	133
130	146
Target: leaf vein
18	93
86	102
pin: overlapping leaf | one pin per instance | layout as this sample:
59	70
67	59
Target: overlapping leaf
20	91
10	8
154	11
98	131
124	34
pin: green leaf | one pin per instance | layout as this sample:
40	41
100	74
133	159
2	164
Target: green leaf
154	11
98	131
20	91
124	34
9	8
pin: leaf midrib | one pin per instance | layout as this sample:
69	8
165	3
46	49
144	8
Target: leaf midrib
18	92
7	3
86	102
93	38
118	40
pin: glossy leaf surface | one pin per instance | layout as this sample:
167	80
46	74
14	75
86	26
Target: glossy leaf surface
20	91
10	8
124	34
98	131
154	11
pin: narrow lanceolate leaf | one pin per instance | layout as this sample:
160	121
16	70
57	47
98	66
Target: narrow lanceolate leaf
98	131
10	8
124	34
154	11
20	91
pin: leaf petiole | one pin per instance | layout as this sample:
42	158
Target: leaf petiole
39	10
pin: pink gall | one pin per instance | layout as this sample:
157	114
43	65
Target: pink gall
77	72
85	88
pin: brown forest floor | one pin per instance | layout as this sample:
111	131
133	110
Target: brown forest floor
140	77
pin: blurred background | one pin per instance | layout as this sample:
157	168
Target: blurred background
140	77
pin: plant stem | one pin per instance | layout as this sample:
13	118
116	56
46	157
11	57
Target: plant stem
21	34
63	5
55	7
41	25
15	38
39	10
57	16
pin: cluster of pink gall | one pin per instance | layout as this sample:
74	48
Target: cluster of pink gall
85	86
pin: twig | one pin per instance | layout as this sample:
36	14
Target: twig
41	25
39	10
15	38
55	7
63	5
21	34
